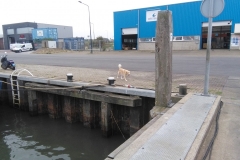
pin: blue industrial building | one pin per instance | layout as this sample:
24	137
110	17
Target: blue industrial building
135	29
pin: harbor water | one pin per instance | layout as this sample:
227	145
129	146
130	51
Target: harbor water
24	137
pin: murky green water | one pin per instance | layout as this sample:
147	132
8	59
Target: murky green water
40	138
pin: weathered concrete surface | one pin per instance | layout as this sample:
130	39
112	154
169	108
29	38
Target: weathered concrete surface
205	134
227	143
163	59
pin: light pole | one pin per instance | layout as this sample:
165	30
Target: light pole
93	31
107	37
89	24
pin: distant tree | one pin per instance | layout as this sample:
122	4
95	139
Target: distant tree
100	38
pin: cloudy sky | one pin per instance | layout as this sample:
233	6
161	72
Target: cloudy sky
72	13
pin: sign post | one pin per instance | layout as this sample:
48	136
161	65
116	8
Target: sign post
210	9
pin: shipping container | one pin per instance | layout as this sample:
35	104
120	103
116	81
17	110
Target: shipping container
74	43
45	34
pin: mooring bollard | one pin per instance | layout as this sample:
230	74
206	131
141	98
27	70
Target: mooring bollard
111	80
69	77
182	89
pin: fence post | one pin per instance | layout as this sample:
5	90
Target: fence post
163	62
100	46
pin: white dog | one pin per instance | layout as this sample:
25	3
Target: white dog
123	72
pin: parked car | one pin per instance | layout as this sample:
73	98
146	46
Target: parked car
21	47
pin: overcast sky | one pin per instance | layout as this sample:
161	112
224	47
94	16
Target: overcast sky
72	13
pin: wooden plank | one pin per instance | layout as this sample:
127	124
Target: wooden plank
86	94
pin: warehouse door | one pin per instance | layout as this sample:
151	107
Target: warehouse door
129	38
220	35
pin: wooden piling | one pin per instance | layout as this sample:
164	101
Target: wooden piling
135	120
88	107
54	106
23	96
32	103
69	109
42	101
106	119
9	92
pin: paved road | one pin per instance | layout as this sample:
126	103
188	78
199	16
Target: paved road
222	62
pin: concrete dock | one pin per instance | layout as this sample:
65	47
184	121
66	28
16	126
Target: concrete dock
150	143
180	133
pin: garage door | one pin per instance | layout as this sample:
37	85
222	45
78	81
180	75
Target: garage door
128	31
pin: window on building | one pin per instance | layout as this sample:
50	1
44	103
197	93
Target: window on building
24	30
188	38
178	38
10	31
185	38
146	39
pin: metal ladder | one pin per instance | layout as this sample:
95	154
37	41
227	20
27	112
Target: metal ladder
15	86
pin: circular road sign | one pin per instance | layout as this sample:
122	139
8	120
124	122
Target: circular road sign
217	8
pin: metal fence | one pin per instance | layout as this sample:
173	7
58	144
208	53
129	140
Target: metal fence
99	45
77	44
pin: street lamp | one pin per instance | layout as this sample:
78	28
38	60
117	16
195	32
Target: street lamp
93	31
89	24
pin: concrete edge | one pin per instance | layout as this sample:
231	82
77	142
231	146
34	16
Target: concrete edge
90	86
105	88
130	149
205	134
3	75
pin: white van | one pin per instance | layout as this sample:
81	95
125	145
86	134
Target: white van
18	47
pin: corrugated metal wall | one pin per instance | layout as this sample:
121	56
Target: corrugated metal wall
124	19
187	19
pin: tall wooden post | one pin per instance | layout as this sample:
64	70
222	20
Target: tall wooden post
163	62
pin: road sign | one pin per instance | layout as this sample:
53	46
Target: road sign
215	10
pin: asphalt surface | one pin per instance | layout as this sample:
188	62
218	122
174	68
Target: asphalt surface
223	62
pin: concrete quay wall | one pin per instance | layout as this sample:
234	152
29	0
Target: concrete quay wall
113	109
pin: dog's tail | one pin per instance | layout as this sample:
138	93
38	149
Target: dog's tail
119	66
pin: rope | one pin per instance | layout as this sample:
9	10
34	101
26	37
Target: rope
117	125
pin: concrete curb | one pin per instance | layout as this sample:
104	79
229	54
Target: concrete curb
204	136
